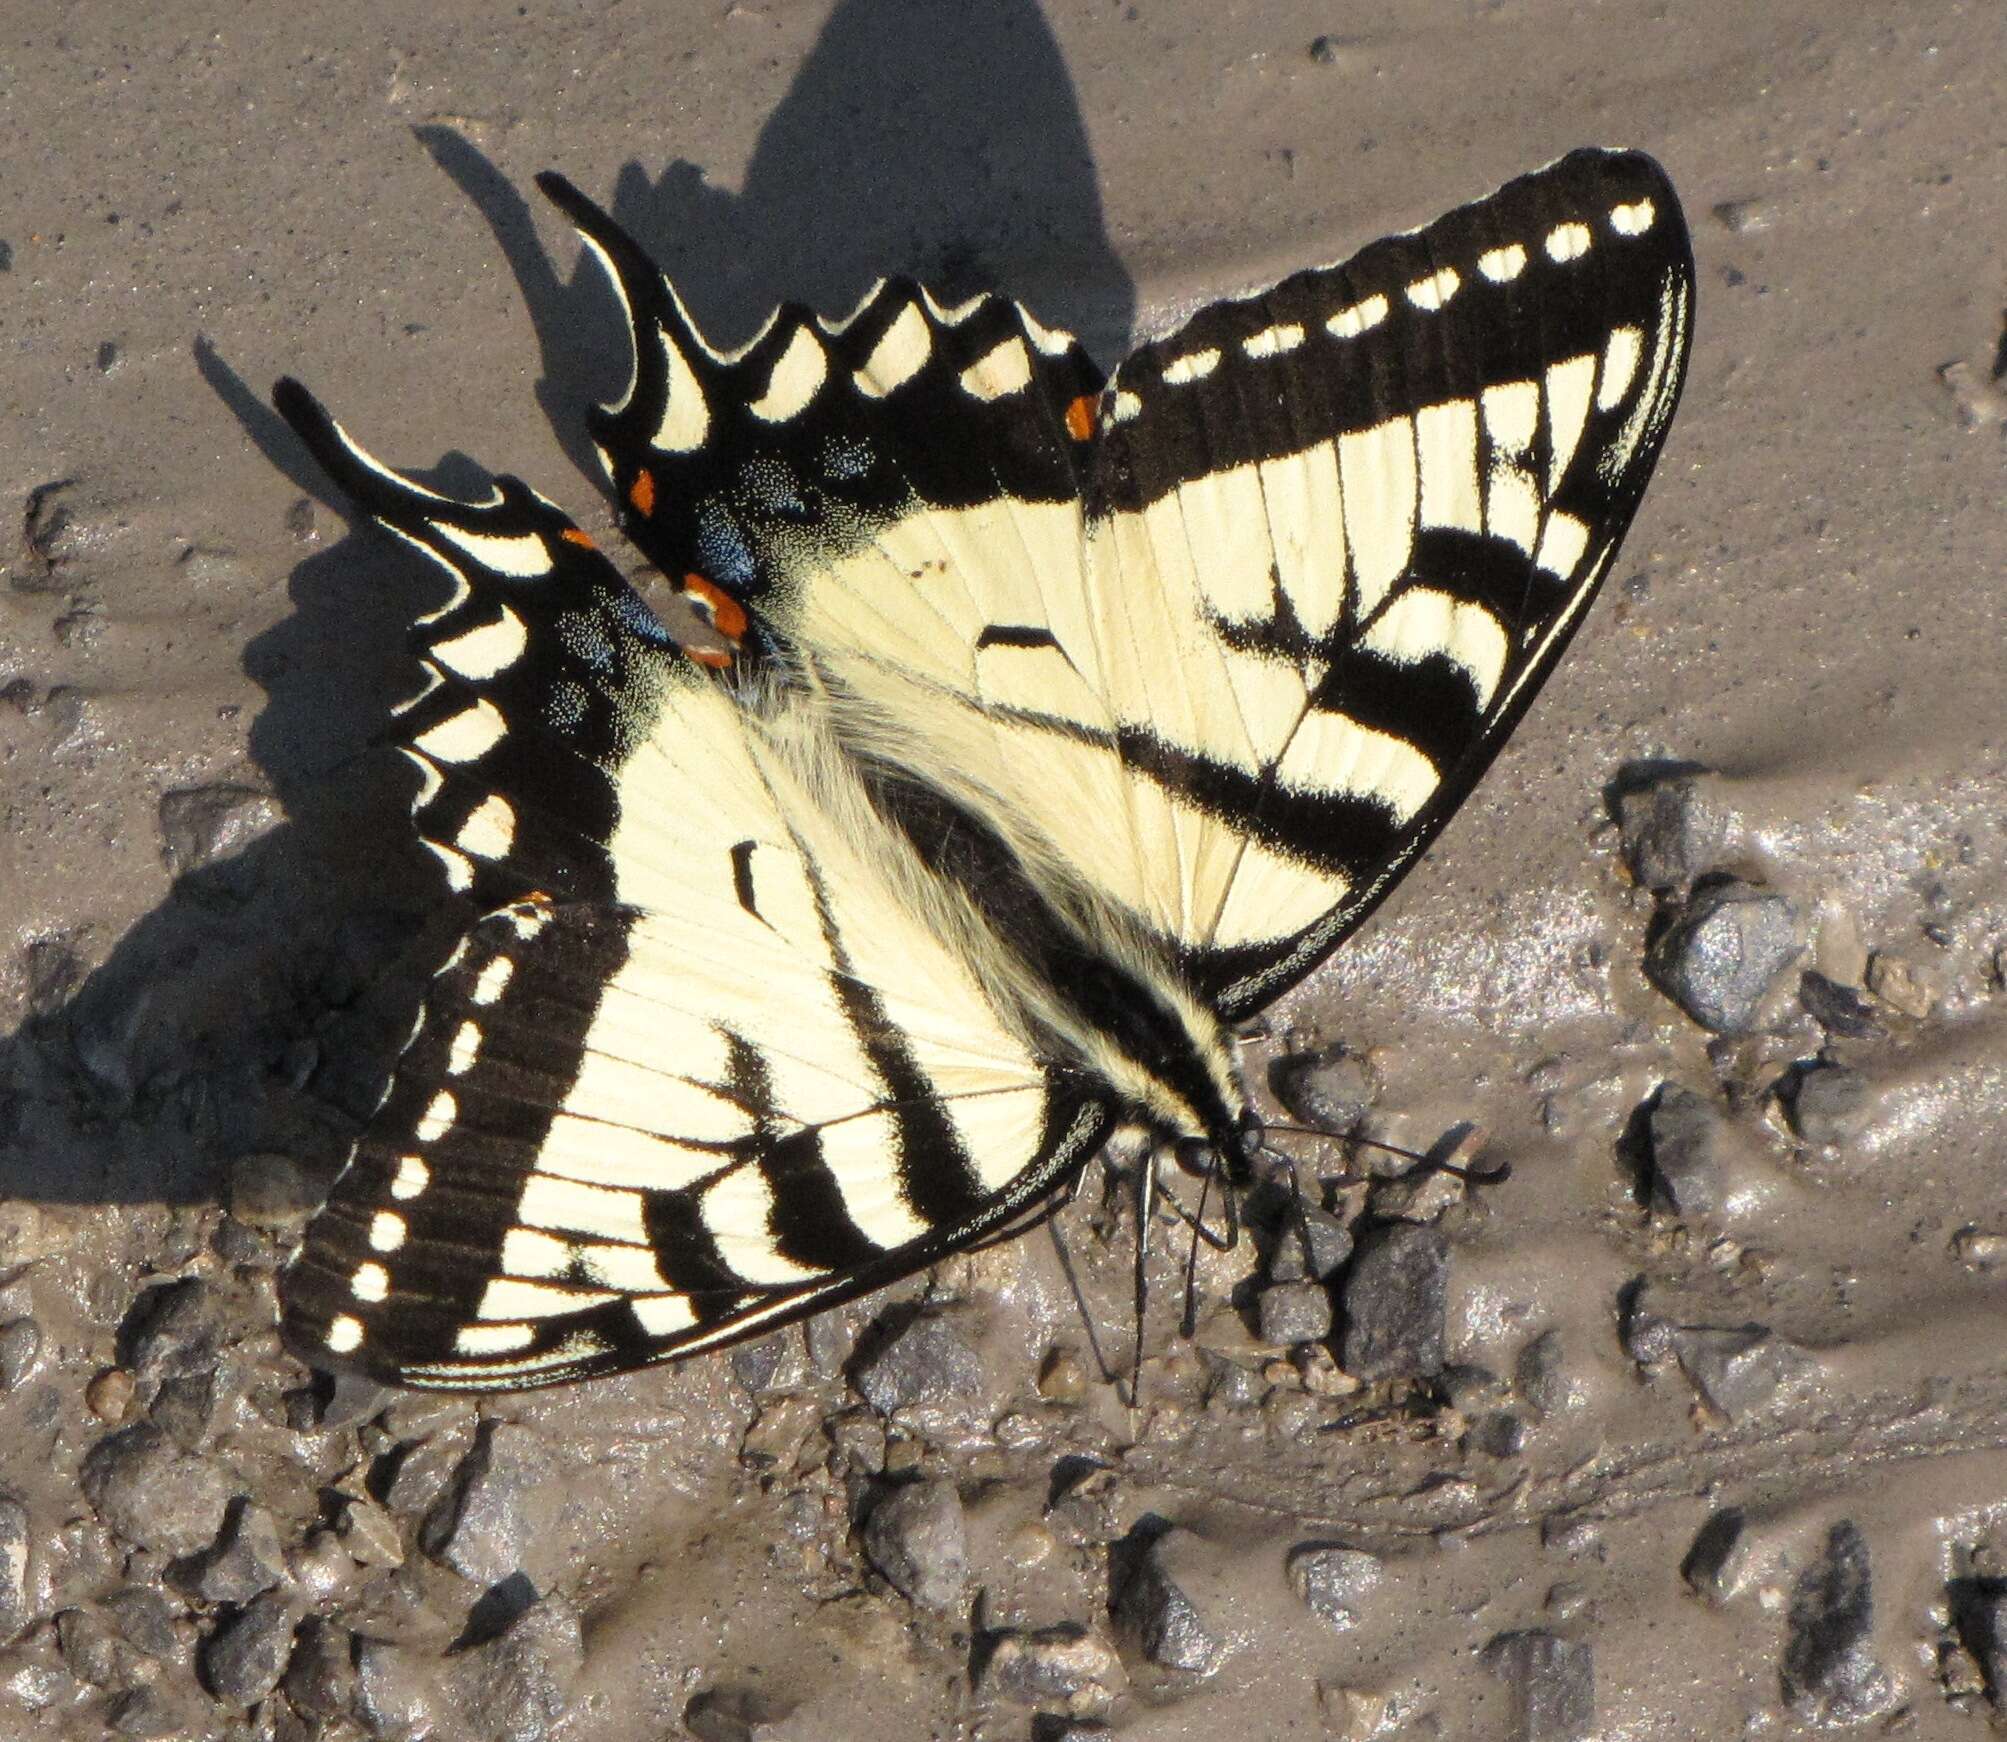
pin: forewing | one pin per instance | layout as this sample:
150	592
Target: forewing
704	1068
1222	649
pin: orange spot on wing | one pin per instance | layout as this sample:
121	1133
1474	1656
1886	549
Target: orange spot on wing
572	535
1080	417
727	615
642	493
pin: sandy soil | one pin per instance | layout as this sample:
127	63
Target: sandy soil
1716	1440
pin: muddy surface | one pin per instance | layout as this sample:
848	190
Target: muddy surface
1694	1426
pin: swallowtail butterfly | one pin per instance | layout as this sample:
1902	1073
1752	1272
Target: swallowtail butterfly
1051	725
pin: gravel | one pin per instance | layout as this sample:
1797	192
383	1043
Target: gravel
914	1360
155	1495
1828	1674
1553	1683
1395	1300
1722	952
1334	1581
916	1536
1688	1139
244	1658
1294	1312
1151	1604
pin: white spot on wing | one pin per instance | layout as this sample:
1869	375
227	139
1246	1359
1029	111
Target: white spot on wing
492	1339
1562	543
663	1315
1569	385
510	1297
465	1050
1512	504
959	312
1502	265
1050	340
464	737
411	1178
899	355
1274	341
521	555
843	323
371	1282
490	832
344	1334
1432	292
485	651
737	1214
1360	317
1424	623
1125	407
1000	373
686	419
1376	468
493	980
1446	444
1512	415
438	1118
458	867
798	372
1193	366
578	1208
1634	219
1567	242
1335	753
1620	363
386	1231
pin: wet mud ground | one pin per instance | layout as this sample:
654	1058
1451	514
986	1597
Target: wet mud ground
1693	1427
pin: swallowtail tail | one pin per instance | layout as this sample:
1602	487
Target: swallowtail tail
1066	721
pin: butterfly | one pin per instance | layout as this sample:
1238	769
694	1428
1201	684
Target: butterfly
1045	725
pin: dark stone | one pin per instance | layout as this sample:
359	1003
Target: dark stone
1295	1312
1334	1581
333	1401
273	1192
1827	1103
773	1363
1309	1246
1828	1674
918	1539
1501	1433
146	1714
246	1561
1647	1335
1720	955
1330	1089
1838	1009
153	1494
145	1620
1553	1684
244	1658
1396	1303
1151	1603
1737	1368
926	1360
1541	1375
186	1407
17	1591
1716	1563
517	1686
1688	1137
1046	1665
1676	829
477	1526
171	1330
92	1649
396	1689
203	824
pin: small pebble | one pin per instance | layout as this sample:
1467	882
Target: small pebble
201	825
1828	1104
1677	828
1396	1303
924	1360
1553	1685
153	1494
246	1561
1973	1247
1295	1312
109	1395
917	1538
1042	1665
1828	1674
1901	985
1741	1369
272	1192
1723	950
1309	1246
1331	1089
244	1658
20	1352
1151	1603
1334	1581
1838	1009
370	1534
479	1527
1688	1138
1746	217
320	1679
1062	1379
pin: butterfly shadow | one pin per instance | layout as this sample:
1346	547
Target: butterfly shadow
941	142
260	1006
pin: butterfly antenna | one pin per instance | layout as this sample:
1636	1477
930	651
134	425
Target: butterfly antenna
1460	1137
1146	1203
